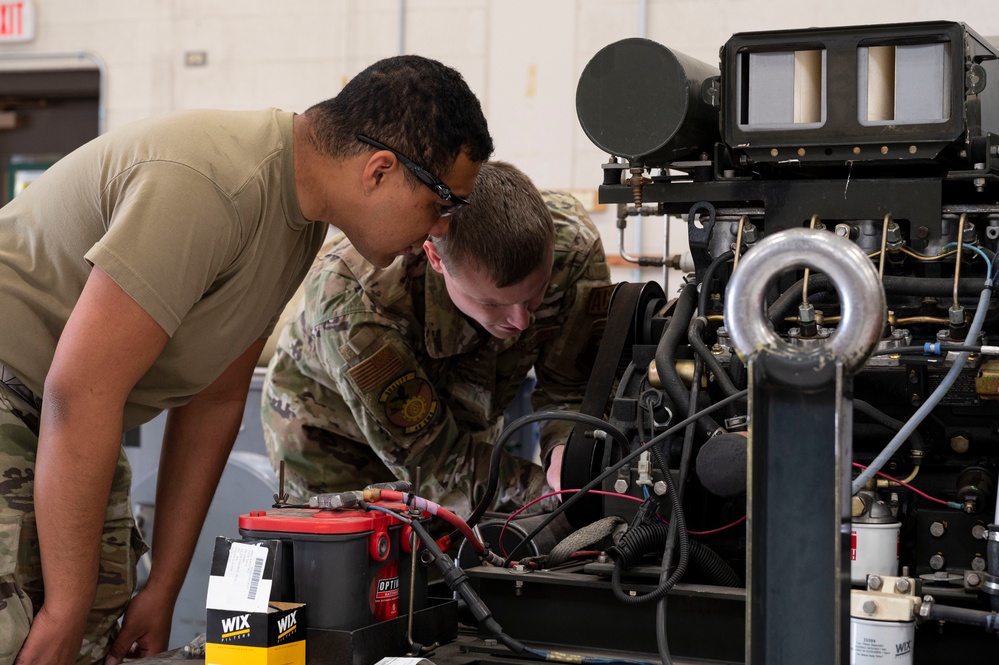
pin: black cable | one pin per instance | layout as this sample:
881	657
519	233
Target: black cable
675	333
709	276
575	498
922	350
666	581
694	334
680	530
688	438
644	403
651	537
500	445
458	582
881	418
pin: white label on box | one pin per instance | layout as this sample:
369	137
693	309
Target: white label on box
244	586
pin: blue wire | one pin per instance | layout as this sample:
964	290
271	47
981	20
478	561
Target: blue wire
978	251
388	511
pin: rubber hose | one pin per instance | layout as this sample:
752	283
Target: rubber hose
646	538
709	276
673	336
882	418
677	536
695	336
964	615
931	402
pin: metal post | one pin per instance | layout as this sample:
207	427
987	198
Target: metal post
800	450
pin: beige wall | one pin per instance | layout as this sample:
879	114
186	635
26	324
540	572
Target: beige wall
522	57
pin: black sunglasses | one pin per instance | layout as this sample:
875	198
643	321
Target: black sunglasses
425	176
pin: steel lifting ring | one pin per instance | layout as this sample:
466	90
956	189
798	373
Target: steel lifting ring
863	299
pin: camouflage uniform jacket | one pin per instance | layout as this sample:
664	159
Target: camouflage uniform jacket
378	373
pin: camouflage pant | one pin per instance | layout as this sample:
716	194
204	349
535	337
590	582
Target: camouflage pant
21	588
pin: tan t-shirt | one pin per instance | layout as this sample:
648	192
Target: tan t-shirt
195	215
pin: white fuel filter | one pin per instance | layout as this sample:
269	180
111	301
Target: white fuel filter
881	642
874	550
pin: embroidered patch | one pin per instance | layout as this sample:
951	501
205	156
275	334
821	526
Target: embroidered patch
376	370
410	403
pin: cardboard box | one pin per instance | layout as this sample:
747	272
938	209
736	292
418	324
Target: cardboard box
244	627
274	637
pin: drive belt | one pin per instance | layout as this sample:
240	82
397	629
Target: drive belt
582	459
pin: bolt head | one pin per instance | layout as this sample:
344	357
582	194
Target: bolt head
902	585
874	583
620	485
869	607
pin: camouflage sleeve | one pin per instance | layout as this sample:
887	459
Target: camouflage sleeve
378	373
564	364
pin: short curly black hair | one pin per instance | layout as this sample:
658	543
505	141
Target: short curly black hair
418	106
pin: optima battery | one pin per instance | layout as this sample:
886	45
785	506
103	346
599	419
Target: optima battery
351	568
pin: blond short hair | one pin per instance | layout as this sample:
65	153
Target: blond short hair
505	231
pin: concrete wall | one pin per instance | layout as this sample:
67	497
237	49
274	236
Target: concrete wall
522	57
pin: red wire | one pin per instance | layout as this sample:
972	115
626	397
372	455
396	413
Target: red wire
444	514
694	533
905	484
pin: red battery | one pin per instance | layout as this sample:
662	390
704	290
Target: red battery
350	567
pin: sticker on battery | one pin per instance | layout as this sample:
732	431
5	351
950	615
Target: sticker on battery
385	592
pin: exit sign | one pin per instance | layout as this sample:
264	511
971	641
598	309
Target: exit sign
17	21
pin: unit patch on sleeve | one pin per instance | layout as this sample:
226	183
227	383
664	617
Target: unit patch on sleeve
410	403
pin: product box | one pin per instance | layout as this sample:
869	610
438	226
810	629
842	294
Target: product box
244	627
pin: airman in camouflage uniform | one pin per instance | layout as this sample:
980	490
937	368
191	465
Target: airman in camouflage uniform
21	576
378	372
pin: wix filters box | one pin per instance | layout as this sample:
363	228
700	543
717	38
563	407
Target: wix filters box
244	627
